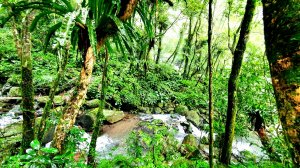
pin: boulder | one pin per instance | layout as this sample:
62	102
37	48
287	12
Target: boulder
92	103
111	116
15	92
144	110
193	117
189	146
181	109
157	110
190	140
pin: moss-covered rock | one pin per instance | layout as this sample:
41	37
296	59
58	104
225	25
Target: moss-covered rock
189	146
15	92
144	110
157	110
111	116
58	100
193	117
181	109
92	103
190	140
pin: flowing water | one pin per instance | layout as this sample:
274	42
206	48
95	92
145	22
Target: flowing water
113	140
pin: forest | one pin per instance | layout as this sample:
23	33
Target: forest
150	83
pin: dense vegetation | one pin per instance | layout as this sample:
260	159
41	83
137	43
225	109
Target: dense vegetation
150	57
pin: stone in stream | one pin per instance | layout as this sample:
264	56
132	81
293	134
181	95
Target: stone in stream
87	120
193	117
181	109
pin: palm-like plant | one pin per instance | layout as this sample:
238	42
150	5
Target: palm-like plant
90	23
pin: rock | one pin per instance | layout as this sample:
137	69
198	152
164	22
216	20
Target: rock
92	103
58	100
170	110
111	116
15	92
189	146
181	109
157	110
193	117
190	140
160	105
144	110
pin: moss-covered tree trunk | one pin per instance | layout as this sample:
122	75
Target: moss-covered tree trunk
99	116
210	93
232	83
282	39
159	47
22	39
72	109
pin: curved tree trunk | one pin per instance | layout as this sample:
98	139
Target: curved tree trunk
281	27
232	83
72	109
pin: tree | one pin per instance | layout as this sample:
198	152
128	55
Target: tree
22	39
210	105
232	82
282	40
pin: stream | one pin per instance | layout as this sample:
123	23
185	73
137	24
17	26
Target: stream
113	139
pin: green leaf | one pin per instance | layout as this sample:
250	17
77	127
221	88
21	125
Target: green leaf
36	19
49	150
35	144
51	32
30	152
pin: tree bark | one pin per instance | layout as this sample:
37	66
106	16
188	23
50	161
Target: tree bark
23	45
281	27
210	93
232	83
100	116
72	109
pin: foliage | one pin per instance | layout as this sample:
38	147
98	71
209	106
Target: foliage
154	145
38	156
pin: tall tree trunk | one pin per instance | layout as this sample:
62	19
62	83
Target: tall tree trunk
232	83
159	44
210	93
100	116
187	48
281	27
72	109
178	46
23	45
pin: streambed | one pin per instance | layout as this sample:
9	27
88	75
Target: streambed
113	139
